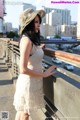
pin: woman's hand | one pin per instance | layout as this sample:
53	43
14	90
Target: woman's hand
42	46
22	116
49	71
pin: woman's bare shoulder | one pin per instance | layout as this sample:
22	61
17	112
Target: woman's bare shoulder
25	41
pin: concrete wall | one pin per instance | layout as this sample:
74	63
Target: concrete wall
65	96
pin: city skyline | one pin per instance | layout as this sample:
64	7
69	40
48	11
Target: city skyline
14	9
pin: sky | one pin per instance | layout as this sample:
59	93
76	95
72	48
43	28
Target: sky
14	8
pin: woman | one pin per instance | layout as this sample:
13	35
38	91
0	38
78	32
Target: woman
29	86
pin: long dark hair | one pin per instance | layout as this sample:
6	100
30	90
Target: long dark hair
30	32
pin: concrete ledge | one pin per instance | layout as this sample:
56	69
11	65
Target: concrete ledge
64	96
67	99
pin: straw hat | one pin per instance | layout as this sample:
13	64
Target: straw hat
27	16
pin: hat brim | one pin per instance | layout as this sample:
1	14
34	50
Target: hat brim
34	14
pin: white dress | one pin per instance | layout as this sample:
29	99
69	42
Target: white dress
29	90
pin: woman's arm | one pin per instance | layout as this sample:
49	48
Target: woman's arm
25	49
42	46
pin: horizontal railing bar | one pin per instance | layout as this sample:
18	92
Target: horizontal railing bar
14	43
53	53
60	42
70	61
71	81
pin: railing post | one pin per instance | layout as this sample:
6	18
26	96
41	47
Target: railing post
4	50
7	51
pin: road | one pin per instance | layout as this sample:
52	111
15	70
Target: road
68	78
49	59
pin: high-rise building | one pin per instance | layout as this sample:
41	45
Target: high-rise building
26	5
66	17
8	27
55	18
78	23
2	13
68	30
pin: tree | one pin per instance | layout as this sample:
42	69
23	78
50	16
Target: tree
12	34
57	36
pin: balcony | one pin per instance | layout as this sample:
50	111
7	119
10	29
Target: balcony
62	90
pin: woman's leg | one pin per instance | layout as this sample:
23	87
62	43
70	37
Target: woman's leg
20	115
17	117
